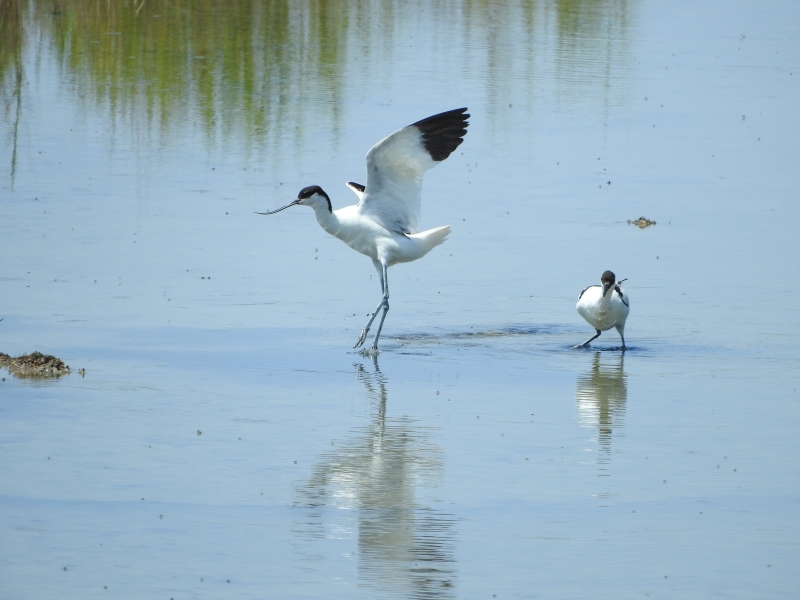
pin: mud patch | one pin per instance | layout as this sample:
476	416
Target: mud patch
34	364
642	222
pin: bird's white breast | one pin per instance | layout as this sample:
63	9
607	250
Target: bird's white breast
362	234
600	313
365	235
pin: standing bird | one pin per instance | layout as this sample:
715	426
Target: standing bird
384	223
604	306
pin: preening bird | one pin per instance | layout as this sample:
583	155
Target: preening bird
384	225
605	306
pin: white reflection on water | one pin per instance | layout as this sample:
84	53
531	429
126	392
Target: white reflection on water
601	395
405	548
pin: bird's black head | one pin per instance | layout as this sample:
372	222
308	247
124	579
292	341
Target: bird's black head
607	279
312	190
304	198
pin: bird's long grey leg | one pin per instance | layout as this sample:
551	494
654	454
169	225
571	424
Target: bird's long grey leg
586	343
622	335
363	337
385	280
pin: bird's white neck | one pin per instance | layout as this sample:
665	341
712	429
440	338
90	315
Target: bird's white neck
325	217
605	299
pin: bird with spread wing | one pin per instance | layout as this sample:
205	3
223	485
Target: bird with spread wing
384	225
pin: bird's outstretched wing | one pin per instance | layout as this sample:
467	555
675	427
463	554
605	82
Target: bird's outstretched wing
396	164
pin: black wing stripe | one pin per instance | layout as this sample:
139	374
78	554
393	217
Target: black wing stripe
444	132
621	297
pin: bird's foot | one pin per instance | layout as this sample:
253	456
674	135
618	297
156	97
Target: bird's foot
584	345
372	352
623	348
362	338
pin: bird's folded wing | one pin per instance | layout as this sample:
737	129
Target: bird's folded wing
396	164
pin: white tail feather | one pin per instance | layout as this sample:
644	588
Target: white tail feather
431	238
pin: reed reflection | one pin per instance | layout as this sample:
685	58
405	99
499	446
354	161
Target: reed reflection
593	50
236	68
405	548
260	72
11	74
601	395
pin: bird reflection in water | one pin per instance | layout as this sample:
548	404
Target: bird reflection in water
405	548
601	395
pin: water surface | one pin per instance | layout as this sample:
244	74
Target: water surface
226	441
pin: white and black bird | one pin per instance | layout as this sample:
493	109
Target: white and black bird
605	306
384	225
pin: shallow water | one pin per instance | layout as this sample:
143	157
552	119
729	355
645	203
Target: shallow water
226	441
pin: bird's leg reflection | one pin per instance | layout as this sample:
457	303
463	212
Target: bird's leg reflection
601	395
378	475
369	381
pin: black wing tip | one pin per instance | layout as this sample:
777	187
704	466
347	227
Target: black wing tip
457	113
356	186
444	132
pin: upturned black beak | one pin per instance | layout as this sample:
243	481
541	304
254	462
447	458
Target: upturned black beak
277	210
606	287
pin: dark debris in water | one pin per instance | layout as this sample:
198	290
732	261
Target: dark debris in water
34	364
604	348
642	222
472	334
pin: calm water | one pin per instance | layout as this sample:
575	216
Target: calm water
227	442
